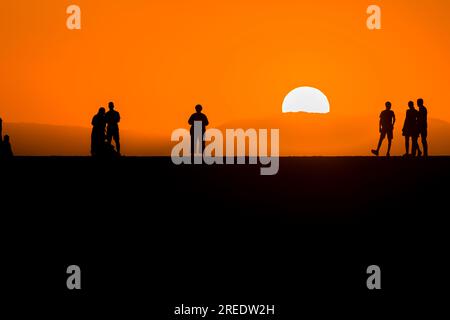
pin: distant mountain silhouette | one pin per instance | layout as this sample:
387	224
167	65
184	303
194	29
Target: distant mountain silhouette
330	135
51	140
300	134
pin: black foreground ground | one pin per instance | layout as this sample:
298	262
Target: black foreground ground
149	235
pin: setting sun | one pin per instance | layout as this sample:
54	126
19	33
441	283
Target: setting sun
306	99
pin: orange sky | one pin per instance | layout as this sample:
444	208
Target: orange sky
157	59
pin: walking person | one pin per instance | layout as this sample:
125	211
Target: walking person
386	128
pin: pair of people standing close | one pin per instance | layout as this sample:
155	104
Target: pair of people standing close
105	129
415	125
5	144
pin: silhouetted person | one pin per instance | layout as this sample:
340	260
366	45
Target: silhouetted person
411	130
6	149
1	138
112	130
198	116
386	127
98	132
422	121
5	144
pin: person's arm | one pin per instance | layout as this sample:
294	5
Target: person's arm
118	117
206	121
393	119
191	121
379	123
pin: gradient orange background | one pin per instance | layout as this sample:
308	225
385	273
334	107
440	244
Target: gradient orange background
157	59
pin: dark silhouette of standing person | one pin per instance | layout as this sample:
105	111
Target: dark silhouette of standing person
1	138
98	132
5	144
198	116
6	149
386	128
422	121
112	130
411	130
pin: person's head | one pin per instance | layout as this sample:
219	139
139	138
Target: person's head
6	139
388	105
198	108
411	105
420	102
101	111
111	105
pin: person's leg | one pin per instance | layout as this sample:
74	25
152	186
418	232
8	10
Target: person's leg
380	142
425	146
109	135
415	146
425	143
389	147
117	140
192	146
203	143
419	152
197	152
407	145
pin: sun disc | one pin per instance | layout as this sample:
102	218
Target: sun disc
306	99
